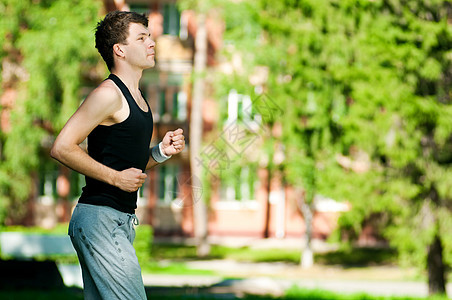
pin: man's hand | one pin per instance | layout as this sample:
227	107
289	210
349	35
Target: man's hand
173	142
130	180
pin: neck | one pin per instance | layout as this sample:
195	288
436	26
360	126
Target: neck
130	77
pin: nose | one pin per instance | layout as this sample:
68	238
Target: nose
151	43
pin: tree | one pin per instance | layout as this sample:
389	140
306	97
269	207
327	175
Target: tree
365	90
48	51
301	92
397	89
200	213
196	120
403	127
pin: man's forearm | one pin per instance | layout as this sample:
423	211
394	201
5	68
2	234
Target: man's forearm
75	158
151	163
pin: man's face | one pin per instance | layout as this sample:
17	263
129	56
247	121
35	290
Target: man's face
140	47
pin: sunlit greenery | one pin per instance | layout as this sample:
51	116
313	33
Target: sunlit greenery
368	83
364	81
47	54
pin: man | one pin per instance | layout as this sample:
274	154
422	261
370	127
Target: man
118	123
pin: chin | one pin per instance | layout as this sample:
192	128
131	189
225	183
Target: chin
150	65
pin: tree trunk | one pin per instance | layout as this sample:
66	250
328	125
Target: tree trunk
196	128
307	257
435	266
267	204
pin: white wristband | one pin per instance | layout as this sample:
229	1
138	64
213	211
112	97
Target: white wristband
158	155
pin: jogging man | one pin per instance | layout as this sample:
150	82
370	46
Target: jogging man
118	123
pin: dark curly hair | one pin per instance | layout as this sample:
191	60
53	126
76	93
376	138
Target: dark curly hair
114	29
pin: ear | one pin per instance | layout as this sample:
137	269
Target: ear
118	50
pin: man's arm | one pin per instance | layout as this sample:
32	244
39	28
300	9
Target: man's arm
173	143
101	105
151	163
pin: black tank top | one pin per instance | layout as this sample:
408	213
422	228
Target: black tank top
119	146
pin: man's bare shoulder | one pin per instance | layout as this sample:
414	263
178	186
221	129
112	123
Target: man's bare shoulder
106	94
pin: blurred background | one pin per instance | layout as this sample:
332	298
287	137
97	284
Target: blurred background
319	143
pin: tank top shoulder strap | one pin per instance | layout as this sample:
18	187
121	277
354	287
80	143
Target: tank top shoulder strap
125	91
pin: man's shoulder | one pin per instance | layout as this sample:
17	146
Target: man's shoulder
106	92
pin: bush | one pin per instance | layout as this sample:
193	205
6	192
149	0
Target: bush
143	243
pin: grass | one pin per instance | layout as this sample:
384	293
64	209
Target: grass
346	257
173	268
315	294
171	258
193	293
150	254
59	229
358	257
299	295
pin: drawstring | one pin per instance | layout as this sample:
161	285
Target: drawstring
134	218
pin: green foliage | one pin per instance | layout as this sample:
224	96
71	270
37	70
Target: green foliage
398	104
354	78
143	242
53	42
199	6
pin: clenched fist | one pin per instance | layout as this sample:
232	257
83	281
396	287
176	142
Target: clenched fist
130	180
173	142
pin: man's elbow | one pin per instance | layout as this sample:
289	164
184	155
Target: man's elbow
56	150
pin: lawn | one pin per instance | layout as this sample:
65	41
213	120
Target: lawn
346	257
152	254
189	293
170	258
159	258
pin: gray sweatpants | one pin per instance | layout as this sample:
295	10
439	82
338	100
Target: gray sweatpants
103	238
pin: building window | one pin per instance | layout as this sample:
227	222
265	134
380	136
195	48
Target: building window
143	193
239	185
171	19
162	103
168	187
140	8
47	185
240	109
180	106
172	104
165	96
